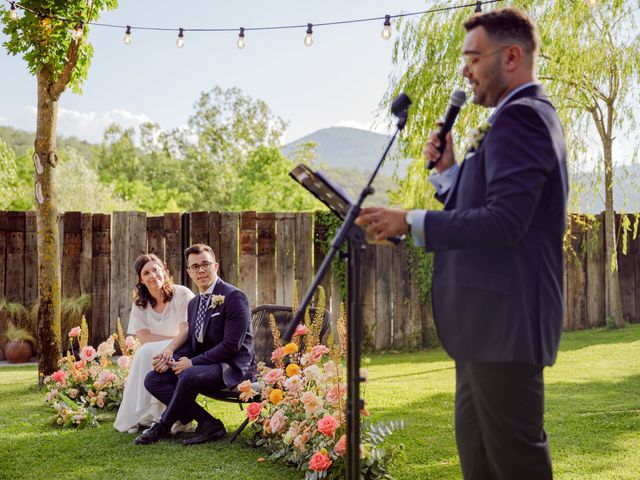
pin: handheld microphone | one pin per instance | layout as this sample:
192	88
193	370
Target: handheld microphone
455	102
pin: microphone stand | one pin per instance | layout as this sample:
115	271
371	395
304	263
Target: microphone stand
356	244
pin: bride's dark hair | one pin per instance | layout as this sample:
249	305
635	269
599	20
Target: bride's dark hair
141	296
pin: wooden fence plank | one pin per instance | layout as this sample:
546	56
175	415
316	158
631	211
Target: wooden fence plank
595	273
576	270
155	237
214	232
137	247
31	293
3	252
120	287
626	274
71	254
285	247
303	253
368	289
320	233
16	225
248	258
229	226
266	258
406	327
383	295
200	228
86	266
173	245
101	245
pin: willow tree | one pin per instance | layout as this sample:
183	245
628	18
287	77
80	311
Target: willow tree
50	37
589	64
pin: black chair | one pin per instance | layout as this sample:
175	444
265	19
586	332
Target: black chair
263	345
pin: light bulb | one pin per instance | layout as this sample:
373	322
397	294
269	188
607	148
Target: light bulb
180	41
14	12
127	36
241	43
308	39
386	30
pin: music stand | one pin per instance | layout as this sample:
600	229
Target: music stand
336	198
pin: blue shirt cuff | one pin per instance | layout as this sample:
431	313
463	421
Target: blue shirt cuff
444	181
417	227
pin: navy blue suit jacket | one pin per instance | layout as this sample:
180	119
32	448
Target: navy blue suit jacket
228	336
498	266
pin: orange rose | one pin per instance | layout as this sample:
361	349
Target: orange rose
319	462
327	425
253	411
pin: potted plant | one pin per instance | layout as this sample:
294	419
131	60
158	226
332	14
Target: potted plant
19	348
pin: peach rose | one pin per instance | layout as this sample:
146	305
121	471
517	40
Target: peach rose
273	376
292	369
88	353
278	354
301	329
60	376
278	421
319	462
336	393
317	352
327	425
253	411
124	361
341	447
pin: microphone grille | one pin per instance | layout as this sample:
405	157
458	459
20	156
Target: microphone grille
458	98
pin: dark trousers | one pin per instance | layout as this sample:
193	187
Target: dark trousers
179	393
499	421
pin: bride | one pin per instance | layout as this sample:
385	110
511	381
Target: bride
159	321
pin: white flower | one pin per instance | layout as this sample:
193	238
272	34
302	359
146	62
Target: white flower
216	300
312	373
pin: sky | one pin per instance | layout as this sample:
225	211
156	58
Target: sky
338	81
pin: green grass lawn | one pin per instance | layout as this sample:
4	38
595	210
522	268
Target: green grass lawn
592	418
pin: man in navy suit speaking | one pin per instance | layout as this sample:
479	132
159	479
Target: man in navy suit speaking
218	353
498	267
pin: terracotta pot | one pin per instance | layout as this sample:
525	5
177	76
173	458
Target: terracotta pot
18	352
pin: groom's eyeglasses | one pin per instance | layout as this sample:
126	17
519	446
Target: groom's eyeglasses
196	267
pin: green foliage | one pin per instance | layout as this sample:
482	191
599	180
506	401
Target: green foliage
339	266
43	40
9	169
17	334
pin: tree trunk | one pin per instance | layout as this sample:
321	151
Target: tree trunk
613	302
47	224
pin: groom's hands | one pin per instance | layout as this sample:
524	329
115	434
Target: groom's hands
180	365
160	362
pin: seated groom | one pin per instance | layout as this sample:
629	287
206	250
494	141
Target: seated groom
218	353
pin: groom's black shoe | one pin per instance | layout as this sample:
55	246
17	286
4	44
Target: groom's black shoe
207	432
152	435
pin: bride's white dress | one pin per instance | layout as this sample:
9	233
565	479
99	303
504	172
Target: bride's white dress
138	405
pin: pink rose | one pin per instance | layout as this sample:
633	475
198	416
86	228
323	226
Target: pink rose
130	342
341	447
278	354
253	411
319	462
273	376
278	421
317	352
79	364
105	378
327	425
124	361
301	329
88	353
75	332
60	376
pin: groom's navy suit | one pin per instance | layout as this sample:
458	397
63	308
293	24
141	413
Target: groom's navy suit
224	358
497	285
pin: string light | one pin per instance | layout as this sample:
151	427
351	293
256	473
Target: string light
180	41
14	12
78	31
386	30
241	43
127	36
308	39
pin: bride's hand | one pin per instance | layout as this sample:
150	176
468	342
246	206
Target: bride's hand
160	362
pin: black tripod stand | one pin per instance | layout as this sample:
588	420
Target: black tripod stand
331	195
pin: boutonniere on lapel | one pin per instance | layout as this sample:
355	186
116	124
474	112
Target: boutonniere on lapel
477	136
216	301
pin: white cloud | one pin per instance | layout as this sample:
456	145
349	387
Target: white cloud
90	125
3	120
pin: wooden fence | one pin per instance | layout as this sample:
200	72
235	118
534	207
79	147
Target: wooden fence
264	254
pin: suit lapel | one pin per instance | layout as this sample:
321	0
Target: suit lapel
210	311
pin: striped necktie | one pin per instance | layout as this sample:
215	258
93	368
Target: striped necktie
202	310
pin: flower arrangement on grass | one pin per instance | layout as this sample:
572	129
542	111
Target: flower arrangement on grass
88	381
301	417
